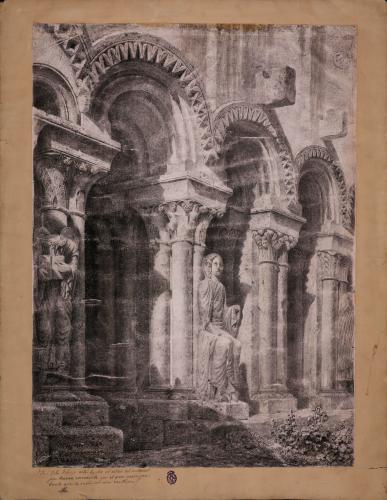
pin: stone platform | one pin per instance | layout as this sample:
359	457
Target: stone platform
272	403
333	400
73	433
82	445
157	423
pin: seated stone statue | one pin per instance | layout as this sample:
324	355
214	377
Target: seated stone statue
218	349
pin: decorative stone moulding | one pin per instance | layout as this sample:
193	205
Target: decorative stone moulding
136	47
58	134
74	42
285	226
172	188
321	153
239	111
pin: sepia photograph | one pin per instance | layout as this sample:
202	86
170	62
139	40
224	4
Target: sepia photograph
193	245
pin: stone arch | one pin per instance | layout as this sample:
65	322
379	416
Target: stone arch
157	52
334	171
54	94
240	111
144	86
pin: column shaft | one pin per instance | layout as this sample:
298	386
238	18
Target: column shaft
125	348
328	347
160	318
106	322
282	320
79	321
199	250
267	323
181	315
272	392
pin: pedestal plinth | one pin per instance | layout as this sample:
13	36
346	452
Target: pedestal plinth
275	402
333	400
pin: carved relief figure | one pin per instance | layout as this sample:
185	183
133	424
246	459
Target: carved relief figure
57	266
219	349
345	330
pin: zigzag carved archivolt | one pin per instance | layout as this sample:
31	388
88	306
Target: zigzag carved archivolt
90	63
152	51
322	153
238	111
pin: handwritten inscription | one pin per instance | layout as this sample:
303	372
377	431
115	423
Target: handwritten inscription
65	479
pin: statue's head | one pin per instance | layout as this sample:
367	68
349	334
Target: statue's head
67	233
213	265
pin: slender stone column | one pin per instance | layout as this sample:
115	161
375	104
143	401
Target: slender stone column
268	248
282	319
183	218
125	346
80	178
295	329
333	270
156	224
79	316
105	269
272	394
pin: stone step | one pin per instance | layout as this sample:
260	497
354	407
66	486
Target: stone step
84	413
155	423
46	418
85	444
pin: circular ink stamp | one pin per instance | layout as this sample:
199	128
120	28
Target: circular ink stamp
171	477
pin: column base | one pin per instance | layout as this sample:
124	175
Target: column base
333	400
274	402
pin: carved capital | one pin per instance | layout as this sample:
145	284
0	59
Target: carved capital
299	262
272	243
52	178
65	180
183	217
205	218
333	265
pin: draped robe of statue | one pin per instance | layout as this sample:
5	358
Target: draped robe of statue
218	350
58	263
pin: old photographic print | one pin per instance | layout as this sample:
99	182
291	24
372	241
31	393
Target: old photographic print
194	193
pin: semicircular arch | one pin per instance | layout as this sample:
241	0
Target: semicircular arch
54	94
241	111
154	51
334	171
